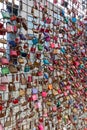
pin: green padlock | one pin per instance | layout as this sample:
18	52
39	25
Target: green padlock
26	68
85	89
5	70
66	20
40	47
5	14
58	104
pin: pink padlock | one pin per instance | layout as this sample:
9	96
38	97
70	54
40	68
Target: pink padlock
44	94
59	91
15	29
34	97
38	105
40	127
2	87
67	71
65	93
4	61
85	128
68	87
52	45
71	92
51	68
1	127
13	53
61	67
77	85
54	108
55	1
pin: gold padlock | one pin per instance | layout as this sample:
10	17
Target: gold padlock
21	92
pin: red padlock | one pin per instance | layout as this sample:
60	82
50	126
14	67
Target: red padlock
25	45
38	55
15	101
30	79
1	108
41	119
33	49
28	55
29	99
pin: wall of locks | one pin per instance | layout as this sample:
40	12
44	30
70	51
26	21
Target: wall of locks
43	67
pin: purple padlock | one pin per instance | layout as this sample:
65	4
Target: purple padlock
47	39
46	48
34	90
